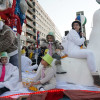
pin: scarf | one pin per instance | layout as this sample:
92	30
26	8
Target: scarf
2	74
50	48
42	73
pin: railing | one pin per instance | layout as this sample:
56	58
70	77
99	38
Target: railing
30	40
29	31
30	24
30	3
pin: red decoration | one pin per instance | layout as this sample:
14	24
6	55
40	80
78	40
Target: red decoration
37	38
10	18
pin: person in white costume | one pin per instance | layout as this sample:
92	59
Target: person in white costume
26	63
75	40
9	75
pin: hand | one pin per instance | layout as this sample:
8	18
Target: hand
83	35
33	83
36	83
57	50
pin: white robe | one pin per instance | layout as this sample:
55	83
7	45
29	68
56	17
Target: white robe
11	79
74	51
26	64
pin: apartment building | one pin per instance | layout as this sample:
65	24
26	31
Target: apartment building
37	20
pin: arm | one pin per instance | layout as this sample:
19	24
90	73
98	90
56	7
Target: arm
75	38
35	80
38	76
7	42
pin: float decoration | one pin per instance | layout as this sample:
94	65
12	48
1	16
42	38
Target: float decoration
82	19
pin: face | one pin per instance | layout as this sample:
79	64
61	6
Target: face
30	47
76	27
50	38
44	63
4	60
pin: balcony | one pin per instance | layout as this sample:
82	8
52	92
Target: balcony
30	3
30	40
30	24
29	31
29	17
30	10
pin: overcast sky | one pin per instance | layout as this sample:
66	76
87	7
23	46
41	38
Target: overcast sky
63	12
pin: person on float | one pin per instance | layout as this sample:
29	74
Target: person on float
26	63
52	47
75	39
8	42
45	79
9	75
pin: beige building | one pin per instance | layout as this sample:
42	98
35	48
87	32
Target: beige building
37	20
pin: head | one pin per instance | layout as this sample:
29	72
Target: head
76	25
30	47
23	52
44	63
24	47
50	37
4	60
46	60
4	57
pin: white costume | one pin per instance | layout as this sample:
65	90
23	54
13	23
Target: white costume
64	43
11	79
74	51
26	64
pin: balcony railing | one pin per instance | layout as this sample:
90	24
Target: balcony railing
29	31
30	3
30	40
30	17
30	10
30	24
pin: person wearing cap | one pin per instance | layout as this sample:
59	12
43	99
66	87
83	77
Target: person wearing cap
45	79
74	41
52	46
26	63
8	42
9	75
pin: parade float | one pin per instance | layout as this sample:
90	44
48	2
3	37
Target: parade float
76	83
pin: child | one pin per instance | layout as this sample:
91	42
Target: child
45	79
52	45
75	40
26	63
9	75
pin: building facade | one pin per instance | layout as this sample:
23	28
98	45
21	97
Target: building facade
37	20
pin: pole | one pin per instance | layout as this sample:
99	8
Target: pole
19	59
81	23
37	47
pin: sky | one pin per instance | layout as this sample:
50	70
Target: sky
63	12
